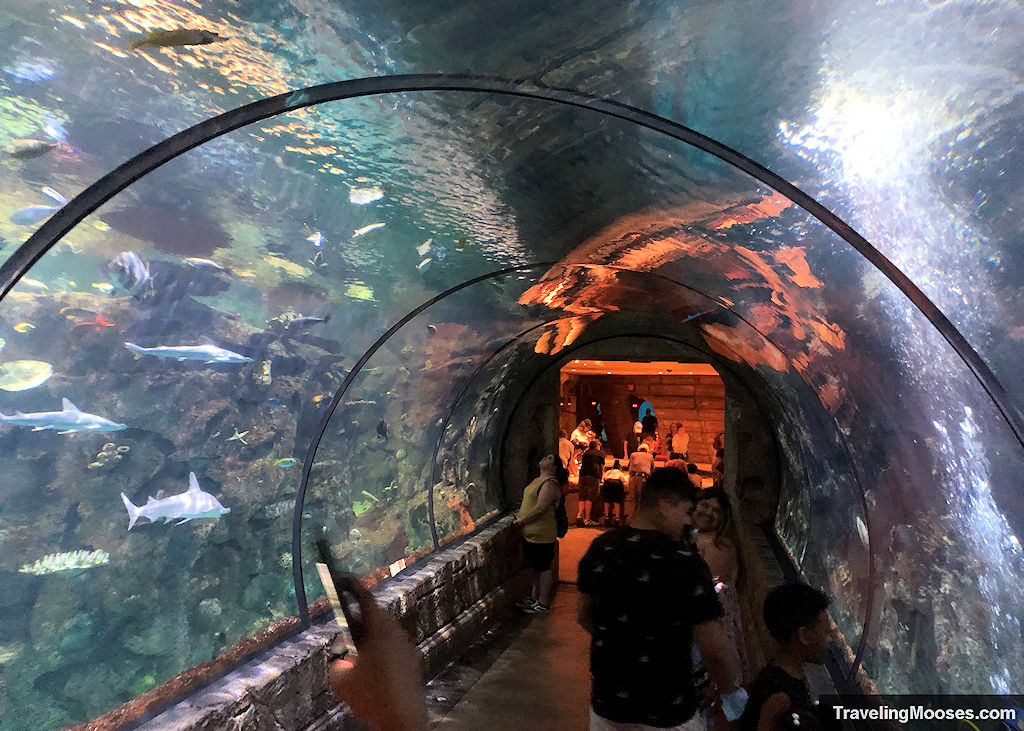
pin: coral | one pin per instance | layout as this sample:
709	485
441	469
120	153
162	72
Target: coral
66	561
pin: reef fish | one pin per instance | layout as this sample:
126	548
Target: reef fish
196	263
204	353
366	229
382	429
38	69
68	419
285	462
363	196
176	37
34	214
28	149
303	323
129	272
193	503
317	239
24	327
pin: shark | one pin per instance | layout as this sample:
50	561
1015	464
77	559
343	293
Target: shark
204	353
193	503
69	419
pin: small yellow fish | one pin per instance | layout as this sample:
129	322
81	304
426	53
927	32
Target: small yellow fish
24	327
176	37
103	287
100	225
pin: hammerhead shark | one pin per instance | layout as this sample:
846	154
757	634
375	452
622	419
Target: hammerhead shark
69	419
193	503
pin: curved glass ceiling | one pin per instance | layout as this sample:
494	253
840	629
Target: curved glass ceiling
292	244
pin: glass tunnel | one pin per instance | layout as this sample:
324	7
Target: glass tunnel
246	304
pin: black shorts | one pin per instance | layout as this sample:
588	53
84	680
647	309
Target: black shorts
588	487
539	555
613	491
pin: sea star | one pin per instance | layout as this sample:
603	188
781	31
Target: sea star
238	437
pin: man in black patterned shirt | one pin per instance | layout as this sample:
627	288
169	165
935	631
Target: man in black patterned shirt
645	595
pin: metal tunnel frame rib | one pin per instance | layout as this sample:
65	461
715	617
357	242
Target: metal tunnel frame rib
64	220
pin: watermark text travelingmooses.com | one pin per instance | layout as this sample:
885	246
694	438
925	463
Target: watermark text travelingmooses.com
978	712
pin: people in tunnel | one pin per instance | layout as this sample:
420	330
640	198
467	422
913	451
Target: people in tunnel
716	542
780	696
565	449
679	442
644	597
581	437
613	490
536	519
641	463
591	470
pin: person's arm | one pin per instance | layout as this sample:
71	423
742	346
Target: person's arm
585	612
712	639
550	491
772	710
382	683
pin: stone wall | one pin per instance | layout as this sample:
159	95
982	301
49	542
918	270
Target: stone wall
445	604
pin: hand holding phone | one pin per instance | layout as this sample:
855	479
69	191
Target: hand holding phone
382	683
339	586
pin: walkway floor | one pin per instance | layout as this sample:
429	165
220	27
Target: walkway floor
533	673
541	680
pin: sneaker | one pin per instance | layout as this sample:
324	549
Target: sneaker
579	521
537	608
589	524
526	603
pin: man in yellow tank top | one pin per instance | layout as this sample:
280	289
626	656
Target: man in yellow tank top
536	519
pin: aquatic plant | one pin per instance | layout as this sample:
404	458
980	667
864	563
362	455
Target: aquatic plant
66	561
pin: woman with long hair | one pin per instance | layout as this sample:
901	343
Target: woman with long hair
716	541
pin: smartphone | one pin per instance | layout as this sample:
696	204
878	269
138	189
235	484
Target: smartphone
344	602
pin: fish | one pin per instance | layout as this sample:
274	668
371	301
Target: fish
193	503
304	323
285	462
68	419
317	239
129	272
196	263
38	69
275	403
177	37
104	287
318	259
34	214
53	128
862	531
382	429
101	225
354	534
363	196
97	322
203	353
27	149
424	248
32	284
24	327
367	229
432	329
424	264
361	402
